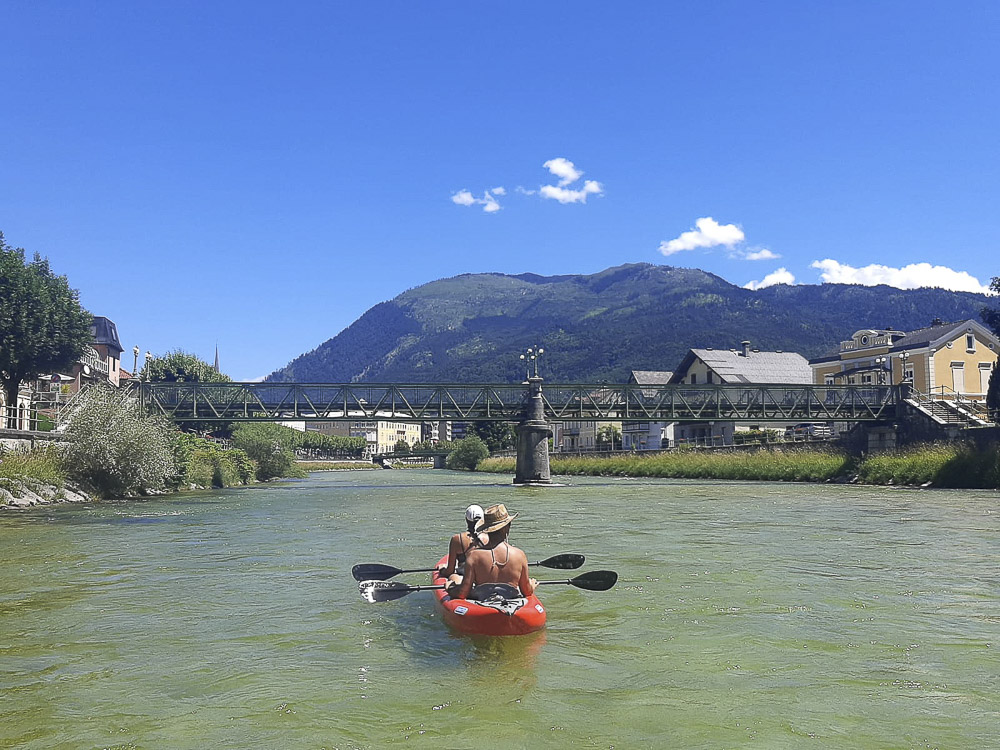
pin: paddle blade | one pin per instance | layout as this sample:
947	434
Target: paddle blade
383	591
563	562
595	580
373	572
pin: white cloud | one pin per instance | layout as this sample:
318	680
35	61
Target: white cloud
708	233
564	169
566	195
488	201
463	198
781	276
564	191
912	276
762	254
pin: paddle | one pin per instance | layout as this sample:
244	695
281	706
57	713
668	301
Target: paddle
385	591
379	572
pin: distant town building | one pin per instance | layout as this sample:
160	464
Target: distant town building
744	365
648	436
943	359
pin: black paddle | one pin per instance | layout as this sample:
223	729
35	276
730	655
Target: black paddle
379	572
385	591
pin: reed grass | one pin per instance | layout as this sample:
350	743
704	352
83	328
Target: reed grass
334	466
42	465
948	465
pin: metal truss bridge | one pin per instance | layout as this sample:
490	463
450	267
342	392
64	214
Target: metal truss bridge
267	402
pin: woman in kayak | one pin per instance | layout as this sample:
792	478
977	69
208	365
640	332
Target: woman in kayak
497	561
461	543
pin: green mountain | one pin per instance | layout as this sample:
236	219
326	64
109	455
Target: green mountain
471	328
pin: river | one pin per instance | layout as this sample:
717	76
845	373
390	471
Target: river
747	615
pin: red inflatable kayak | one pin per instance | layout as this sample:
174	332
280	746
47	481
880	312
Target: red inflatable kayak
515	617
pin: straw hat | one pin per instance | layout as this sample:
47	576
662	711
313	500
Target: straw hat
496	517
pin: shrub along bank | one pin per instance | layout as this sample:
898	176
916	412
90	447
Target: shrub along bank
936	465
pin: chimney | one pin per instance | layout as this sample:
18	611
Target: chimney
746	348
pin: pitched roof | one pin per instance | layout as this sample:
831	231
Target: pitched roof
757	367
105	332
650	377
919	338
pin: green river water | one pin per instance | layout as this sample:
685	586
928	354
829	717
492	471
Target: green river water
747	615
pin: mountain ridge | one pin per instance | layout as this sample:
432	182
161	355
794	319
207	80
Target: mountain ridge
594	327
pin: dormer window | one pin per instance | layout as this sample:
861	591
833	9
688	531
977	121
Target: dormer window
864	340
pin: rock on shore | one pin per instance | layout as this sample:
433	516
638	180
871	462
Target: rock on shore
19	493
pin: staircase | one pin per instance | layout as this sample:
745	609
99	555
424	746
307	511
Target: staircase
951	412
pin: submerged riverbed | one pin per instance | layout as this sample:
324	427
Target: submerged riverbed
767	615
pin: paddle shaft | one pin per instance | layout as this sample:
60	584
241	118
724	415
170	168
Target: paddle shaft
377	571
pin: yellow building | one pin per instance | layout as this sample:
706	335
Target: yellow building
943	360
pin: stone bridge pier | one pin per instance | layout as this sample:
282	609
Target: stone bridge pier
533	435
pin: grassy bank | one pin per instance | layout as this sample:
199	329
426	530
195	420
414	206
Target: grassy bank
937	465
308	466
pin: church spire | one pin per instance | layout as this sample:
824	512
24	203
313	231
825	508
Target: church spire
216	365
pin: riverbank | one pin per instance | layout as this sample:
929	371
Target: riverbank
947	465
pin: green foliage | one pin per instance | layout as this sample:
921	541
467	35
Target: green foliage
42	465
940	465
43	328
206	464
609	437
271	446
956	465
467	453
117	449
497	435
993	394
179	366
471	328
991	315
401	446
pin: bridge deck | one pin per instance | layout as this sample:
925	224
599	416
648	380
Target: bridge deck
236	402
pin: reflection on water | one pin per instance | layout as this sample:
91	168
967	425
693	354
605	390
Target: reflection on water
771	615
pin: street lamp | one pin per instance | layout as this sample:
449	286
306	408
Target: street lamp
145	364
903	356
530	359
884	363
135	362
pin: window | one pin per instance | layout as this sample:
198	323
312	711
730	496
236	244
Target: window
908	374
970	342
828	380
694	378
709	380
866	378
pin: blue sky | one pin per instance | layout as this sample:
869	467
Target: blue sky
258	175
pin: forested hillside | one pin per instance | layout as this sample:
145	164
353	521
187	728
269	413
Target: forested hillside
471	328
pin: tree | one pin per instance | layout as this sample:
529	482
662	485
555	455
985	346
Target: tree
43	328
609	437
991	316
179	366
467	454
993	394
115	448
401	446
496	434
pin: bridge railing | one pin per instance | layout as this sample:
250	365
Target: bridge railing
478	402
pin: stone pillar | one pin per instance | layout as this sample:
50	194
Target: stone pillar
533	439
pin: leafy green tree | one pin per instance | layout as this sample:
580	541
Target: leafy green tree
609	437
497	435
116	448
43	328
991	315
993	395
401	446
179	366
467	453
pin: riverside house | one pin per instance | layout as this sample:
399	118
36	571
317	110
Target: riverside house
943	360
648	436
99	362
743	366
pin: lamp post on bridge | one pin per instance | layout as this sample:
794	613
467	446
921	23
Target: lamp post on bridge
533	432
885	363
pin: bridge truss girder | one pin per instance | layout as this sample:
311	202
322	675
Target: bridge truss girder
267	402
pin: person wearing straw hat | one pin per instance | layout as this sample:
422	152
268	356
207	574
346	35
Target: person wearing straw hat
461	543
498	561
